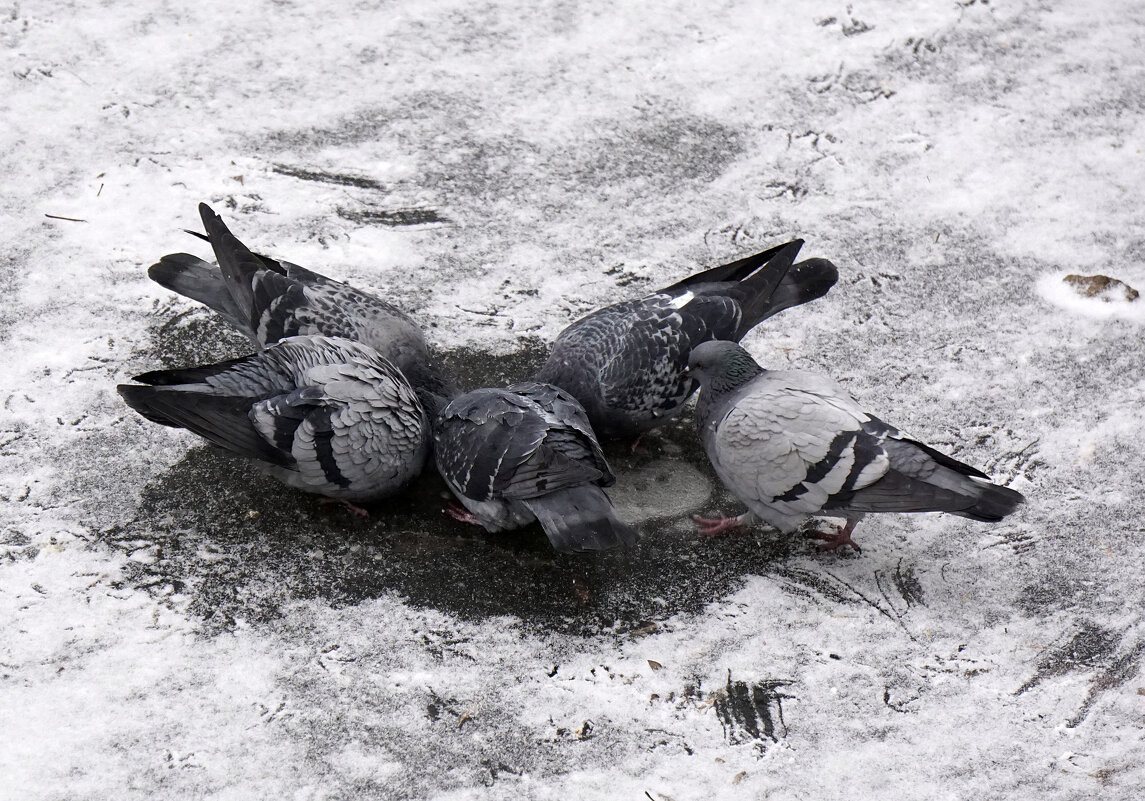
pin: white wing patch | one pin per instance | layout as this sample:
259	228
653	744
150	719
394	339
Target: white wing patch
683	300
873	471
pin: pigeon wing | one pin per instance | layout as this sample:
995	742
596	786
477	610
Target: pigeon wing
274	300
647	374
498	444
568	428
785	449
352	425
333	414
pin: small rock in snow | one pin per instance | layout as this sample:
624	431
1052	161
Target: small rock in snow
1102	287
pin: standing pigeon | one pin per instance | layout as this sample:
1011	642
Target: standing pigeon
792	444
627	363
323	415
527	452
268	300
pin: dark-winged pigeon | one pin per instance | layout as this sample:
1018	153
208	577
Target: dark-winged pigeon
268	300
527	452
626	363
792	444
324	415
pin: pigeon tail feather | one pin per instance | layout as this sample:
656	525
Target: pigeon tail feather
733	271
973	498
189	375
221	420
238	264
198	280
806	281
581	519
755	292
993	503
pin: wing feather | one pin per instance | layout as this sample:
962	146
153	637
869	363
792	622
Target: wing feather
786	450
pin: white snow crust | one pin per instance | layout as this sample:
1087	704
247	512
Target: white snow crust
174	625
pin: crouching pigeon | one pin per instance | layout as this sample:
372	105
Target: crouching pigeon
627	363
323	415
792	444
268	300
528	453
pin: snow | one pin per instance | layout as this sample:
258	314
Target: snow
176	625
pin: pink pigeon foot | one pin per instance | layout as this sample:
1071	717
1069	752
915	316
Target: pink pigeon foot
715	525
841	538
458	512
352	508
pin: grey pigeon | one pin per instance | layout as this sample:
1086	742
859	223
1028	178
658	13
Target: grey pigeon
268	300
792	444
323	415
527	452
627	363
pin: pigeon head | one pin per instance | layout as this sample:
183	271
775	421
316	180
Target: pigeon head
721	366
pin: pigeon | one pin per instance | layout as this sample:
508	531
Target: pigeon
627	363
268	300
321	414
792	444
528	453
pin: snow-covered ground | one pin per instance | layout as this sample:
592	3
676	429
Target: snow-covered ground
175	625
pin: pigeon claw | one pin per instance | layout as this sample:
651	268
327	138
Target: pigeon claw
715	525
352	508
458	512
837	540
